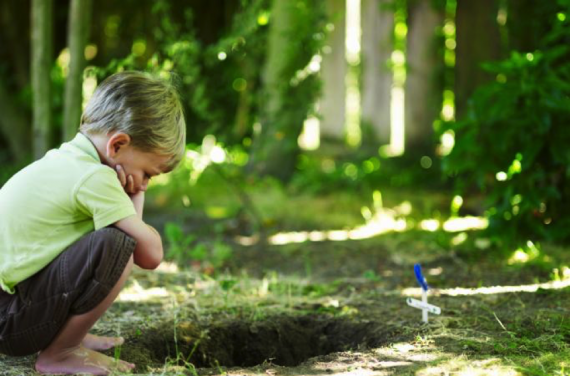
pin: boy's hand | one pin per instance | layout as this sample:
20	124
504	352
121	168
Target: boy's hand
127	182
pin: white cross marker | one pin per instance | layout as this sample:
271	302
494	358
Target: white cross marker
423	304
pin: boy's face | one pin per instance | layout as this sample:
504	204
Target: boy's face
139	165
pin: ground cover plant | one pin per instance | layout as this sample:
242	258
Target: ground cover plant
229	302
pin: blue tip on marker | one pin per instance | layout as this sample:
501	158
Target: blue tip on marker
419	276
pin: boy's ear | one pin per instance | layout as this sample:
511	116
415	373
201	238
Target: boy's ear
116	142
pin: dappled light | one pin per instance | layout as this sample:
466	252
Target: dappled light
63	61
330	162
409	352
353	48
460	291
384	221
197	160
313	67
380	225
447	141
525	254
462	366
396	146
168	267
459	224
89	86
430	225
310	137
136	293
397	134
342	371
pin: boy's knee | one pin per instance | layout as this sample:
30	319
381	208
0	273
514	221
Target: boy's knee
111	254
112	237
97	255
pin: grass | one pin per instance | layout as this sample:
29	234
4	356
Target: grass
513	333
503	334
177	316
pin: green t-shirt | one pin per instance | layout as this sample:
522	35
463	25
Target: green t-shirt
52	203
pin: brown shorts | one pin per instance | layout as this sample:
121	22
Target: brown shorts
74	283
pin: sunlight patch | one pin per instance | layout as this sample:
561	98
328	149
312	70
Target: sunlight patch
430	225
348	372
311	135
461	366
167	267
137	293
368	230
377	224
407	352
524	254
460	224
460	291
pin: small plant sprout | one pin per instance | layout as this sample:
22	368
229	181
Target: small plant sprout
423	304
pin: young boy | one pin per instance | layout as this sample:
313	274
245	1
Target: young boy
71	225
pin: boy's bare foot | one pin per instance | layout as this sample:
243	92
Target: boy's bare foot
80	360
94	342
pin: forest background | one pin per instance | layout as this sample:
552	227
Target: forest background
324	121
469	97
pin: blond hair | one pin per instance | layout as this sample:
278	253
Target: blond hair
145	107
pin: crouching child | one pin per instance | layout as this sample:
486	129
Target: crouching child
71	225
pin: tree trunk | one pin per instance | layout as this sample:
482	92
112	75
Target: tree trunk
276	63
478	41
528	22
14	18
78	34
287	98
14	125
270	145
423	83
42	58
333	70
377	35
243	113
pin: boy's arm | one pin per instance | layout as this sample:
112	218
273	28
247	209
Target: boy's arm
148	252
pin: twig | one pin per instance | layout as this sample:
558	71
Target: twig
500	323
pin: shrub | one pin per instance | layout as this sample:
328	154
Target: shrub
513	145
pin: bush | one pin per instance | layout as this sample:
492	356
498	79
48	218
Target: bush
513	144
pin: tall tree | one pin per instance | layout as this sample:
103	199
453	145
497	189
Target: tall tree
423	84
478	40
42	59
14	125
78	34
290	89
334	68
528	22
377	35
14	21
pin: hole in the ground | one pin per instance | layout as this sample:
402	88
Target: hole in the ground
283	340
